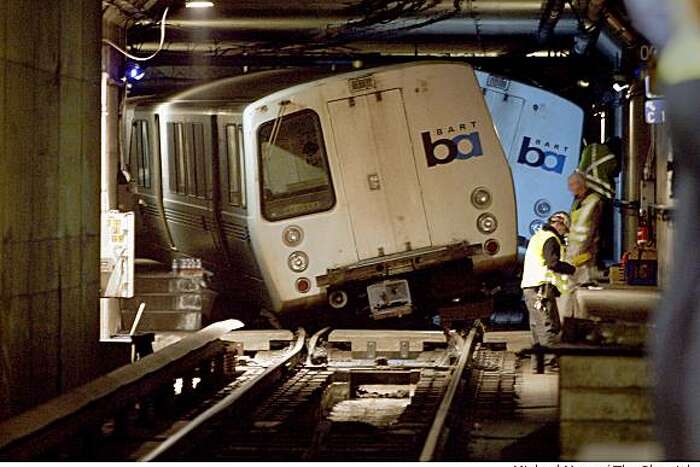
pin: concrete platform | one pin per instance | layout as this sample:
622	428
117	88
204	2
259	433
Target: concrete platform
515	340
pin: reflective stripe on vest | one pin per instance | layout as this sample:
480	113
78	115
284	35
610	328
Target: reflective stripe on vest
581	221
595	182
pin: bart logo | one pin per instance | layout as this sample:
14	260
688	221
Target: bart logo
546	160
462	146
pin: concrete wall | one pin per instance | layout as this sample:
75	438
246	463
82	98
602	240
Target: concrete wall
49	198
603	400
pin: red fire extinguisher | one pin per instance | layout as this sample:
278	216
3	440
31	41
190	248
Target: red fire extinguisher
643	233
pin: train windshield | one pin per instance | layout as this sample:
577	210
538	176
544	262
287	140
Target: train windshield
295	179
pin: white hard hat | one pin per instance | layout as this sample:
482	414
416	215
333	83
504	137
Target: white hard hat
562	217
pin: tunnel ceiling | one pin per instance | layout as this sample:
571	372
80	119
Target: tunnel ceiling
390	27
501	35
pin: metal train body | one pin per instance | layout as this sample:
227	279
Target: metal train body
541	136
299	189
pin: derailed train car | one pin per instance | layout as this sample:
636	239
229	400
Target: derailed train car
367	190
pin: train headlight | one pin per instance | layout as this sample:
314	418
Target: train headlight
535	226
487	223
481	198
292	235
298	261
542	208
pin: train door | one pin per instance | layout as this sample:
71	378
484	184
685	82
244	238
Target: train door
233	208
143	163
379	173
187	156
506	112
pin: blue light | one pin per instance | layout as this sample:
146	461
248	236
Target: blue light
134	72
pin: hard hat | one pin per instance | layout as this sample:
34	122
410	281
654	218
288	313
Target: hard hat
560	216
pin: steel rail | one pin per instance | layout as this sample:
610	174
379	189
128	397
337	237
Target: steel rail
270	375
435	435
313	342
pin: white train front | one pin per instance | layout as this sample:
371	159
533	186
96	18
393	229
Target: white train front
355	188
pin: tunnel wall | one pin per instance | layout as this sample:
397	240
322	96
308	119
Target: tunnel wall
49	199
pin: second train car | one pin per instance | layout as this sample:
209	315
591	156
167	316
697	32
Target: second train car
377	190
541	134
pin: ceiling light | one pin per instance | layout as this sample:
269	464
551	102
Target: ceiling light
582	83
198	4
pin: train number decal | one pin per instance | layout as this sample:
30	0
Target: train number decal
458	142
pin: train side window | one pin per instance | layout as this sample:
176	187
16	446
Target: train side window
294	174
176	158
234	154
140	153
186	160
201	157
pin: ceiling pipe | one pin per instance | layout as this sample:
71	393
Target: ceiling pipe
616	40
467	47
552	11
602	27
594	10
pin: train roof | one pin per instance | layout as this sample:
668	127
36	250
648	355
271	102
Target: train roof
241	89
248	88
519	88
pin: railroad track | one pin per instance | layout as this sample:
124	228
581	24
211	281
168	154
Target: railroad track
360	395
277	395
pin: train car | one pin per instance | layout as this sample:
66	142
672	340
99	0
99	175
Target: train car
299	190
541	135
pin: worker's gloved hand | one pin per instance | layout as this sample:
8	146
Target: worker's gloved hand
583	258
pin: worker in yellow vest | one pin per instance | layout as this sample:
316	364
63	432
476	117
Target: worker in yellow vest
542	278
583	240
676	345
584	236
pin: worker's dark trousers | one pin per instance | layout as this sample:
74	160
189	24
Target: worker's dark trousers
544	322
676	341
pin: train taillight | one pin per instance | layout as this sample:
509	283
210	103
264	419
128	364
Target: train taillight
492	246
303	285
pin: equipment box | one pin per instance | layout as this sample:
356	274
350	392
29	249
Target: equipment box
641	267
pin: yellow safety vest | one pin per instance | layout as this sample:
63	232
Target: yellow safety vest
535	271
679	59
582	227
